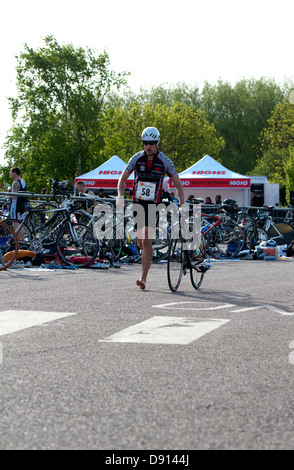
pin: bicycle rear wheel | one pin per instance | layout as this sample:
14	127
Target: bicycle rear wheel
175	264
22	231
197	258
160	244
223	242
79	249
254	237
8	246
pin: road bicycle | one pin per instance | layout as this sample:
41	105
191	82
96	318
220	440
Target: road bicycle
277	229
73	242
104	226
222	241
252	226
182	258
289	217
8	246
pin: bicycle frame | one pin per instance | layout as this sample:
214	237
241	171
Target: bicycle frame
212	226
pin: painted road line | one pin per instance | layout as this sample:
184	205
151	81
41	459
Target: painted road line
167	330
205	305
16	320
196	305
260	307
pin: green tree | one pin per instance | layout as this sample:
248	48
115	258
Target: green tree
186	135
161	94
289	171
276	148
239	114
57	113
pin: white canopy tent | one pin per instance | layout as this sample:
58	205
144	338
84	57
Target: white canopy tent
106	175
207	177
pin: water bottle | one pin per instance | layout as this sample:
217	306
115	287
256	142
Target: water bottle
204	228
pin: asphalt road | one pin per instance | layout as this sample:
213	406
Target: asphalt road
68	384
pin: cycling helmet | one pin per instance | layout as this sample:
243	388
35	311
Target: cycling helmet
229	202
230	206
150	134
268	243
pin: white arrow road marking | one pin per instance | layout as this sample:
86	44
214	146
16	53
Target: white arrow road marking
15	320
259	307
197	305
166	330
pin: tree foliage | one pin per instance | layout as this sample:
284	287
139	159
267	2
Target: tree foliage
186	135
239	114
276	147
289	171
61	91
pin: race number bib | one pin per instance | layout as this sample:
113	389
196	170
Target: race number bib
145	191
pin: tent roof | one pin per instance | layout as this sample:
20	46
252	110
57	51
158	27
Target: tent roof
106	175
208	172
210	167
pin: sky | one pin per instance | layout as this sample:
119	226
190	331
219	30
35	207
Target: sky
158	41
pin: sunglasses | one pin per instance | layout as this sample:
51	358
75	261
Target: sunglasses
149	142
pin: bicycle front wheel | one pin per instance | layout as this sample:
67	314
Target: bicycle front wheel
197	258
175	264
8	246
77	245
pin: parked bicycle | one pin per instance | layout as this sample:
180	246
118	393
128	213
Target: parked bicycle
222	241
276	229
74	243
288	218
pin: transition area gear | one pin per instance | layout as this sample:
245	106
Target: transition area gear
268	243
150	134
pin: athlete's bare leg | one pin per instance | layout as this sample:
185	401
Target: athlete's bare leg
144	240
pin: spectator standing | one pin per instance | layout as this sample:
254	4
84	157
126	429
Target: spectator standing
218	199
17	210
101	193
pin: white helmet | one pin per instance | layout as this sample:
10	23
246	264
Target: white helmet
150	134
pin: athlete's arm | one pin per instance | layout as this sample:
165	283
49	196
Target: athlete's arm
179	187
121	189
15	188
